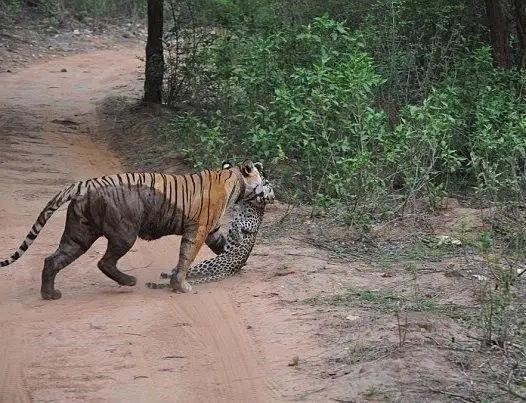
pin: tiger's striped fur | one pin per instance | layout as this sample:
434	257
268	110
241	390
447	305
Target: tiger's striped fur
238	244
125	206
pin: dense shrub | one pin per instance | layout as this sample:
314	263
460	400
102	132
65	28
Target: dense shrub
321	119
417	42
301	99
470	130
304	100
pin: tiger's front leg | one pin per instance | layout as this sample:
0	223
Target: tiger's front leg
190	245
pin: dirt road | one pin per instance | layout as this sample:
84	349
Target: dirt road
100	342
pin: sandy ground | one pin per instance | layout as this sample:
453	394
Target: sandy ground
100	342
28	37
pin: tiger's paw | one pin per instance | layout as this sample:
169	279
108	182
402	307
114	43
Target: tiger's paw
51	294
129	281
182	286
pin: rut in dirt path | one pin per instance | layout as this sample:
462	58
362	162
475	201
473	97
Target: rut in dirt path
100	342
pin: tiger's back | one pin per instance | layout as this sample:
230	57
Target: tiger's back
155	204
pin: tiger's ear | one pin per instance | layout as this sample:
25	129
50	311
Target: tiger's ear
246	167
226	165
259	167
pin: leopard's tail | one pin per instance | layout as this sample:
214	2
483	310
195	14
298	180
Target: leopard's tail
60	198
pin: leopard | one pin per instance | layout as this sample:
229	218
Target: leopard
237	245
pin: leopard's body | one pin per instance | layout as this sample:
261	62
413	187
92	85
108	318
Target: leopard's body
238	244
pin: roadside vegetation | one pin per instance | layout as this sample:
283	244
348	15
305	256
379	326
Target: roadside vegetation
368	107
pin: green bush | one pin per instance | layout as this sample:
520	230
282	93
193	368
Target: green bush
470	130
302	100
306	101
321	118
200	143
11	5
416	43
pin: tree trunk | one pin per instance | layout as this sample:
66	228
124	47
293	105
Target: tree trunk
33	3
153	83
520	17
499	32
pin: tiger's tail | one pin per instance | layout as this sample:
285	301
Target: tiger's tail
58	200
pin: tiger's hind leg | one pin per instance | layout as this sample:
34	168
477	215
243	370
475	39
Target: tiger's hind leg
117	248
77	238
66	254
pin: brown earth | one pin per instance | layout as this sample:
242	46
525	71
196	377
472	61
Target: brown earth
32	36
249	338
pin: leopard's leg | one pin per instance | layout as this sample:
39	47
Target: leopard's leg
77	238
216	241
191	242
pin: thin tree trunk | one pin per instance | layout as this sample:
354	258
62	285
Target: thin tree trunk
520	17
33	3
153	83
499	32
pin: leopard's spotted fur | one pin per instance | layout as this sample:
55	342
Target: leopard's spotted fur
237	246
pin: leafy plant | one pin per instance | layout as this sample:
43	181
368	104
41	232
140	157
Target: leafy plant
305	100
185	131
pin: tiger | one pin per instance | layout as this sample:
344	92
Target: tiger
238	243
127	206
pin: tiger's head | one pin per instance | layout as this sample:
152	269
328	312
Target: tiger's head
254	185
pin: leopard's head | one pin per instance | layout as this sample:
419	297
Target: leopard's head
253	183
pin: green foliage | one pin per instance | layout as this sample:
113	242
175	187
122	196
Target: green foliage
11	5
303	100
322	117
315	102
186	131
472	127
418	41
